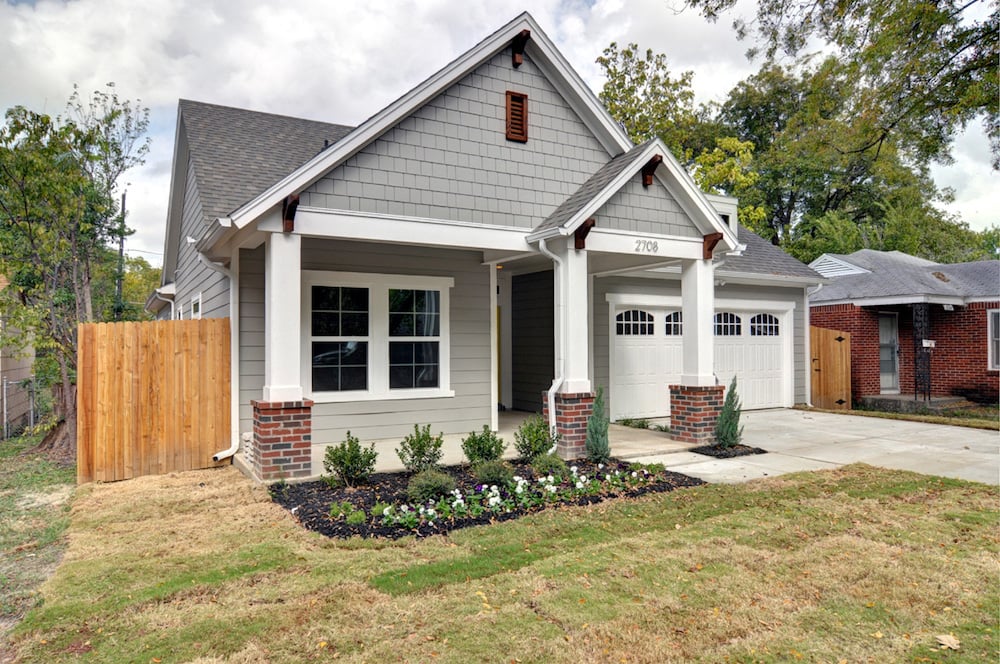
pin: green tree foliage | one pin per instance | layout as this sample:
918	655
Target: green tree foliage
921	70
728	431
597	444
59	215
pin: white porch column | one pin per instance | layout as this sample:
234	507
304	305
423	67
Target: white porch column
698	303
282	317
573	293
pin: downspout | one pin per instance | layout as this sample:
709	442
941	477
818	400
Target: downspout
216	267
163	299
559	378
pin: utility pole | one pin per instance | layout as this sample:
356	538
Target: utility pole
119	305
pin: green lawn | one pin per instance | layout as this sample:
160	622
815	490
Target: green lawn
33	517
858	564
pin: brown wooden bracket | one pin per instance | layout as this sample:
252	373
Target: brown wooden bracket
517	47
582	232
650	168
708	244
288	207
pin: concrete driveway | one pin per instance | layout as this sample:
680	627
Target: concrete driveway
800	440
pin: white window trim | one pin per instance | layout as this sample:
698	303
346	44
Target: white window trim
378	286
993	362
180	311
196	299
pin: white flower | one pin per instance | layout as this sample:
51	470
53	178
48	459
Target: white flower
600	466
550	479
579	485
519	489
404	508
635	474
572	469
387	511
583	478
551	489
607	477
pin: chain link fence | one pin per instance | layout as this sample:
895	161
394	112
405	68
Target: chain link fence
20	404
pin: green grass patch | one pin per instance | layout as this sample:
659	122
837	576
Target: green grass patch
859	563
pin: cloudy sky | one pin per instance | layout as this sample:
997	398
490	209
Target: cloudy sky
341	62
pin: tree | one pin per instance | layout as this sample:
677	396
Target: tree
922	70
58	214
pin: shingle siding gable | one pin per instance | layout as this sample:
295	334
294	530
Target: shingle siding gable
451	160
645	210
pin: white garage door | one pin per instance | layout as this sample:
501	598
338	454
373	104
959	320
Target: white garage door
647	356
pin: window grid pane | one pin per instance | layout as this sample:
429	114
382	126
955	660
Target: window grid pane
634	323
414	313
728	324
338	364
675	324
413	364
764	325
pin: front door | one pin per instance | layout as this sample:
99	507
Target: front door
888	353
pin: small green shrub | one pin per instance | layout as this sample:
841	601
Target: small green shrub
357	517
493	472
420	450
428	485
338	510
483	446
349	463
728	431
550	464
597	446
634	422
533	438
378	509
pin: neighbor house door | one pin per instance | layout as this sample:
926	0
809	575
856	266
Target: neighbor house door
888	353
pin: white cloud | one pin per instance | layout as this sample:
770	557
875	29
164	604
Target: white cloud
335	61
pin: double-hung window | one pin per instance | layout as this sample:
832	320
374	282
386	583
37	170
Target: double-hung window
993	331
375	336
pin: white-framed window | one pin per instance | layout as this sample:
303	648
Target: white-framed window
993	336
728	324
375	336
634	322
180	312
764	325
196	306
675	324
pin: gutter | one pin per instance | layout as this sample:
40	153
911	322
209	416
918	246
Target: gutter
559	378
216	267
156	295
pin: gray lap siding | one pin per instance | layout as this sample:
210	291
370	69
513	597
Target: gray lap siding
469	313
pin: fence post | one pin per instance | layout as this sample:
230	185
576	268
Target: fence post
6	425
31	403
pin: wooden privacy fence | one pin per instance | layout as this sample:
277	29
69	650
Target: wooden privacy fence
831	368
152	398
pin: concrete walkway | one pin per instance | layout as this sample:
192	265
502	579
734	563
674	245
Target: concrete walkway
801	440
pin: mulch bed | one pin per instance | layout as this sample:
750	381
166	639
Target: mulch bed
309	502
727	452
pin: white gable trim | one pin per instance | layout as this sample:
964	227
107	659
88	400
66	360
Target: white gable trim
673	177
539	46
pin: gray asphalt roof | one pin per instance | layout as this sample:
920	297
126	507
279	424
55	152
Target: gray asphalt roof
895	274
589	189
237	154
762	257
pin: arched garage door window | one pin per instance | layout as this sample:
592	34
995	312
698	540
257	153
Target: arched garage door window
764	325
675	324
728	324
634	322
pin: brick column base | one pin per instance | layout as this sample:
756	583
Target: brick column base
572	411
694	412
282	439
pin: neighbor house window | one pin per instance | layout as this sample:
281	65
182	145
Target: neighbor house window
196	307
675	324
993	330
634	322
728	324
375	336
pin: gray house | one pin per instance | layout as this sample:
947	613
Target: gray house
490	240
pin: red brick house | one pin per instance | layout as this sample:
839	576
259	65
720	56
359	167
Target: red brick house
917	327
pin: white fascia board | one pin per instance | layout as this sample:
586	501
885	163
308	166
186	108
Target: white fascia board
692	199
387	118
889	301
752	279
736	304
625	242
371	227
175	202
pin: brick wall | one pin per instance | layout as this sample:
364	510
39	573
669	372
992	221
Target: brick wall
572	412
282	439
959	362
694	412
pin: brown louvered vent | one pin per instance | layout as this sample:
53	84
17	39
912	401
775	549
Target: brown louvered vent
517	117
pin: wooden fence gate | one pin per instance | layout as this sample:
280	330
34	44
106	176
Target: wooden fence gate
831	368
152	398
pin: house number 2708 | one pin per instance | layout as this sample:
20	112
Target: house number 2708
646	247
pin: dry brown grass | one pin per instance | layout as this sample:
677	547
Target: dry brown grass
857	564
